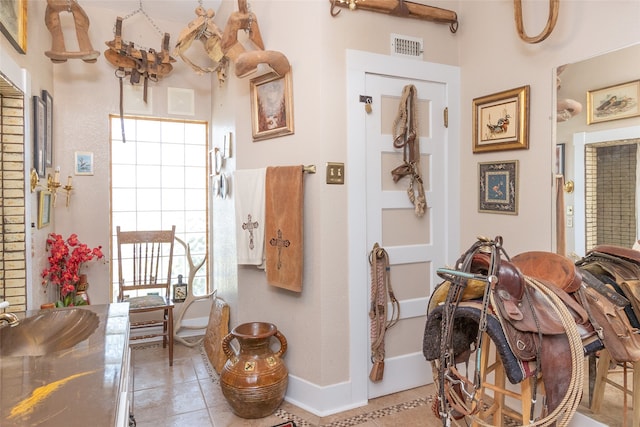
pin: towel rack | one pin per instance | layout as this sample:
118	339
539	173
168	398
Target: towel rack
309	169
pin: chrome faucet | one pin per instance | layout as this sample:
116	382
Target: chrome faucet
10	318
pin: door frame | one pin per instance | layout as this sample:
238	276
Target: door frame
359	64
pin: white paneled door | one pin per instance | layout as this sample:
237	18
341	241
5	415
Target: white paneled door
417	245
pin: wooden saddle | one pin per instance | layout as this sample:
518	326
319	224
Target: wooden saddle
58	52
138	63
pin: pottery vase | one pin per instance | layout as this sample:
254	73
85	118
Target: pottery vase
254	379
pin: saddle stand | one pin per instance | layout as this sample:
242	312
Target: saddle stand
58	52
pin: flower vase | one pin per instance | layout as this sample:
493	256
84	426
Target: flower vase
81	289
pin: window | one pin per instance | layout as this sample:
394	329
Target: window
159	179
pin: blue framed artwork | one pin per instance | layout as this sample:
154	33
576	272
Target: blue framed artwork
498	187
84	163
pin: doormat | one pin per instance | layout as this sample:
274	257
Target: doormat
287	424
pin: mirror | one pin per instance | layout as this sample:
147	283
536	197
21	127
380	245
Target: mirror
597	136
13	269
597	152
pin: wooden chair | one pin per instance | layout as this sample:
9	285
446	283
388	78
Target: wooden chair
144	265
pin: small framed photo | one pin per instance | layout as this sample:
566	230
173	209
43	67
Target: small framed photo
498	187
501	121
271	106
44	208
83	163
48	123
613	102
560	159
39	124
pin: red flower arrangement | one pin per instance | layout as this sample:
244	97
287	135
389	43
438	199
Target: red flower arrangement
65	260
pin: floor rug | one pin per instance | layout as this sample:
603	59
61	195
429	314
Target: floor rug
287	424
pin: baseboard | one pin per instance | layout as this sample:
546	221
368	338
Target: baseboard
321	400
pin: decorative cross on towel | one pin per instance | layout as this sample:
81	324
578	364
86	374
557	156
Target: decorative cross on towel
280	243
250	226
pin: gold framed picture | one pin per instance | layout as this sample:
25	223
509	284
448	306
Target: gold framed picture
613	102
271	106
501	121
13	23
44	208
498	187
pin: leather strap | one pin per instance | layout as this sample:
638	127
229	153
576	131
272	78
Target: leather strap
381	294
405	137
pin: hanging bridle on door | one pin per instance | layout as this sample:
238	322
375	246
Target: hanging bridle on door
405	137
380	290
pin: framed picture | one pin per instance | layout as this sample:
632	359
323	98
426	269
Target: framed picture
39	128
501	121
271	106
560	159
48	123
498	189
83	163
44	208
13	23
613	102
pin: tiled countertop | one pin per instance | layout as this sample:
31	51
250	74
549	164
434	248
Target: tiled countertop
78	386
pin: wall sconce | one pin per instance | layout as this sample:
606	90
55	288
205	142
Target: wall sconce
53	184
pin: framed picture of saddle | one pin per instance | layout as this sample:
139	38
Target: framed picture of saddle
271	106
613	102
501	121
498	187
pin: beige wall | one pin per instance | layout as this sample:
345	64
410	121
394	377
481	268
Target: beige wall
492	58
316	321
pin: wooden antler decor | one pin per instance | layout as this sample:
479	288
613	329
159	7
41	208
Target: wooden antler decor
554	7
401	8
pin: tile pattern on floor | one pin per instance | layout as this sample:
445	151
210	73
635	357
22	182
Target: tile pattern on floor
189	394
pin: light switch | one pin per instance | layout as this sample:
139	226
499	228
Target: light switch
335	173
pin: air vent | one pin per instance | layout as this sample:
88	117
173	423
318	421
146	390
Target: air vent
409	47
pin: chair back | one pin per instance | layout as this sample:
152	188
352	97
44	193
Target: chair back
144	260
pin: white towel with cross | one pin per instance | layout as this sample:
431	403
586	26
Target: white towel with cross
249	203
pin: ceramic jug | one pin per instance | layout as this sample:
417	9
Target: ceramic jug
254	379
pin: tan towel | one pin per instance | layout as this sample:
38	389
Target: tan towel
284	196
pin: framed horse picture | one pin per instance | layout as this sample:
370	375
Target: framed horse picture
271	106
501	121
498	187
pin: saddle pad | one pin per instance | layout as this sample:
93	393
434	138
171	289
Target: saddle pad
466	318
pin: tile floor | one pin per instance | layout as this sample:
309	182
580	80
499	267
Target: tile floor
188	394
